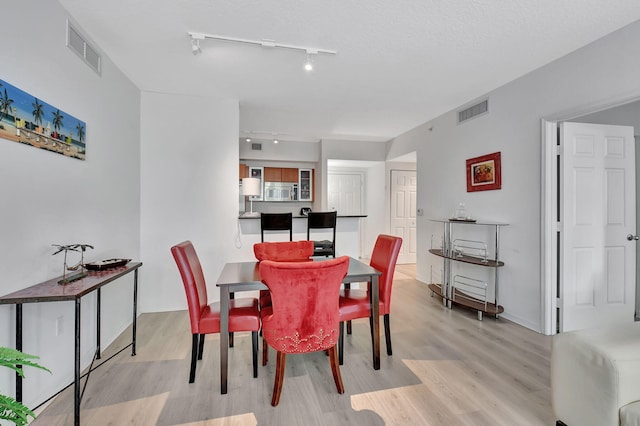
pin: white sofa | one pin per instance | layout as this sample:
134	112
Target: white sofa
595	376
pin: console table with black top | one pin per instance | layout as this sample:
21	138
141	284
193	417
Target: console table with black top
51	291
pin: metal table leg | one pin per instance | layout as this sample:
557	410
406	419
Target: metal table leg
19	347
224	337
76	379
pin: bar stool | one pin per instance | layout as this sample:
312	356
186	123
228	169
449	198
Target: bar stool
276	222
323	220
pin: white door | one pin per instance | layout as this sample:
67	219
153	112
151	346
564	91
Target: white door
345	193
403	212
597	261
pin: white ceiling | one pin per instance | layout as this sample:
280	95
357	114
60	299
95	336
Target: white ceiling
399	64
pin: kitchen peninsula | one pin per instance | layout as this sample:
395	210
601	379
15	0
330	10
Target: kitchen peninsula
348	235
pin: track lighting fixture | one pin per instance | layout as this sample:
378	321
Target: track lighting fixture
195	47
309	51
308	63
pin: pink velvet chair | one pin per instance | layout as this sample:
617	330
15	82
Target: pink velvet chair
355	303
244	314
304	313
284	251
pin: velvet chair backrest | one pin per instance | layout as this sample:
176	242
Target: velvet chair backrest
284	251
305	304
384	258
195	286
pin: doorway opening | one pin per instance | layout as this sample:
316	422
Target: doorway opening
553	198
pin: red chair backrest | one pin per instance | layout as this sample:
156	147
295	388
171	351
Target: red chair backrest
305	303
384	258
195	286
284	251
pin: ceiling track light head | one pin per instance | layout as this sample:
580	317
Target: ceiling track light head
195	47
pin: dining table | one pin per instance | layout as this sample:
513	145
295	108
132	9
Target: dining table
245	276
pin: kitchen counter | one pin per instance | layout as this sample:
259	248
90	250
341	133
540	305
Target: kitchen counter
304	217
348	235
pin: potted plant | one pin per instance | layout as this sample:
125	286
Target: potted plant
10	409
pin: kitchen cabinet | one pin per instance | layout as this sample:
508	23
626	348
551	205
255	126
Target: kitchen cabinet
257	172
244	171
289	174
272	174
280	174
464	290
305	184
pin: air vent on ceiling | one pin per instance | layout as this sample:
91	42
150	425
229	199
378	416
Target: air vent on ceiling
79	45
256	147
473	111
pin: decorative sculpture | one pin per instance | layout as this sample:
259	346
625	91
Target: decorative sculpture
72	247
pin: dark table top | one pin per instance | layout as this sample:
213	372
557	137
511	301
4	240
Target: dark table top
51	291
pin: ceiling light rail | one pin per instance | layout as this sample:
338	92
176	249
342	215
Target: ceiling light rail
263	43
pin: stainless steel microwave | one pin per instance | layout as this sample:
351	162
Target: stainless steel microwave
280	191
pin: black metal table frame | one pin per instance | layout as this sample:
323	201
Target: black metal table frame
77	298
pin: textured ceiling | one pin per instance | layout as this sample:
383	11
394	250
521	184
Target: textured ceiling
399	62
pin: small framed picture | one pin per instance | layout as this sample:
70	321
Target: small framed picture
483	173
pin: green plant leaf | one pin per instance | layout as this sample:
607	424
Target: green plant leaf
14	411
12	358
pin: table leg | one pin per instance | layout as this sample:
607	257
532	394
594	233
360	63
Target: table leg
224	338
98	298
375	307
18	347
135	311
76	379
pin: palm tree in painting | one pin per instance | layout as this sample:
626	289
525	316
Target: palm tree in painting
57	120
80	129
37	112
5	103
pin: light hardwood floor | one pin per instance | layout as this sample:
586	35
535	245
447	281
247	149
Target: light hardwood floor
447	368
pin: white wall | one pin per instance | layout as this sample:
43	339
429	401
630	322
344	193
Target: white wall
50	199
603	72
375	186
189	191
282	151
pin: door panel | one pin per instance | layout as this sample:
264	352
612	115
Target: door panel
344	193
403	212
598	211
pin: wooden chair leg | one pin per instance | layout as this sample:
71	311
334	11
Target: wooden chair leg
230	340
348	327
341	343
335	369
254	348
279	380
201	346
194	356
265	352
387	334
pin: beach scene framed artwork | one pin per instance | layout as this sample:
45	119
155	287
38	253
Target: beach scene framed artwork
484	173
29	120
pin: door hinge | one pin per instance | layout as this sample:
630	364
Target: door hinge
558	150
558	226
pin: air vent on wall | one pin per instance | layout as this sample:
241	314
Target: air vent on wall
473	111
78	44
256	147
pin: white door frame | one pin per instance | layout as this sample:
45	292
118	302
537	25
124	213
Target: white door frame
549	205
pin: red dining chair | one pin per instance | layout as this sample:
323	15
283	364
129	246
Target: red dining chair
205	317
355	303
304	314
283	251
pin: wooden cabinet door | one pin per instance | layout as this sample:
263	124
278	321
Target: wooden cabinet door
272	174
290	175
244	171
